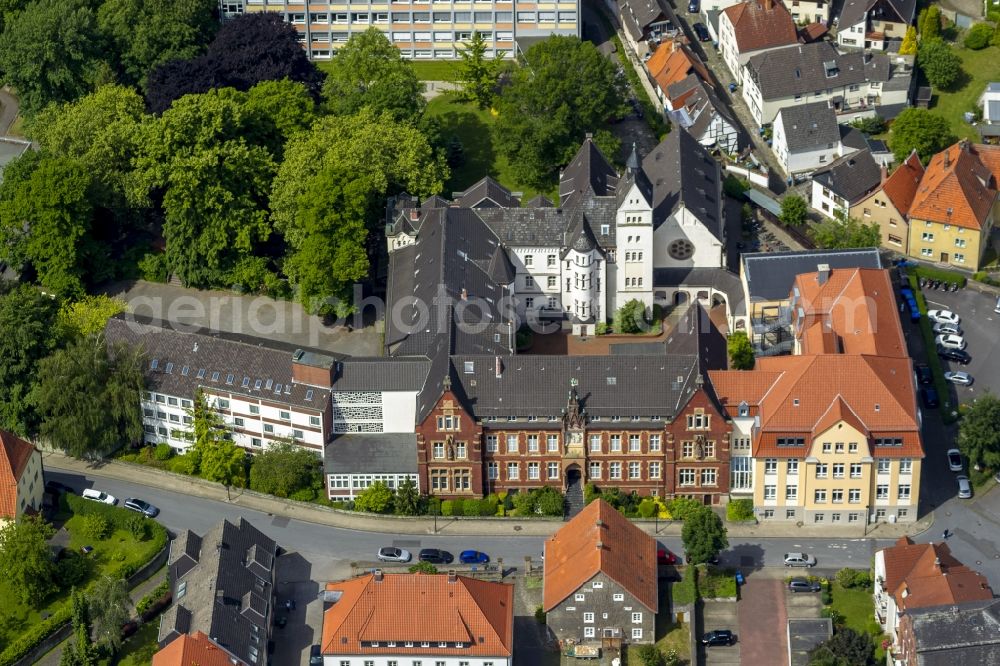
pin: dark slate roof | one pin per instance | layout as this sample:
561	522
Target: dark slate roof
539	201
897	11
719	279
955	635
588	173
853	138
636	15
227	592
809	126
851	176
181	356
804	635
682	172
579	236
770	275
372	453
531	385
487	193
405	373
703	102
801	69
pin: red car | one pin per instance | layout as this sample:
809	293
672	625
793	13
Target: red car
664	556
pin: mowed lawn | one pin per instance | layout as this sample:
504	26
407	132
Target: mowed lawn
473	127
980	68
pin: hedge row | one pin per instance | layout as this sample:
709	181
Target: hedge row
33	635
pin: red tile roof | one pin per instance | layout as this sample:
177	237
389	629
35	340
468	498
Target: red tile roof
959	186
600	540
927	574
671	64
13	459
418	608
193	650
761	24
901	185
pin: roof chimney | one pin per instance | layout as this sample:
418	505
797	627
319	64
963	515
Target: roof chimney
600	545
498	367
465	294
947	158
823	273
768	5
414	215
884	172
379	575
452	576
220	596
599	523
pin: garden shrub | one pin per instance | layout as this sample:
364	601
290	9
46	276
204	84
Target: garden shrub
549	502
835	616
978	37
647	507
137	527
524	503
303	495
540	614
683	507
163	451
739	510
156	594
851	578
458	507
96	526
33	635
648	655
189	463
590	492
448	508
72	568
434	507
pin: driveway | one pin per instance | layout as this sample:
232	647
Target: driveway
763	618
720	615
296	584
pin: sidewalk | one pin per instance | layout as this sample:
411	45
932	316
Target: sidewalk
322	515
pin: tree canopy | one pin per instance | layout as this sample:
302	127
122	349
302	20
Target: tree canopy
285	468
564	89
704	535
940	63
26	560
794	210
844	234
919	129
370	73
979	432
741	355
477	72
845	648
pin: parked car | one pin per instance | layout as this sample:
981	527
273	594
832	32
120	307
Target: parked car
435	556
951	341
55	487
694	6
799	584
315	656
701	32
98	496
718	637
799	560
924	374
996	308
955	460
393	554
964	488
947	329
664	556
958	355
944	317
141	506
473	557
958	377
929	396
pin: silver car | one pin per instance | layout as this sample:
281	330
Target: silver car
799	560
958	377
964	487
947	329
393	554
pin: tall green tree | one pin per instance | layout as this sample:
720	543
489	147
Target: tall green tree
28	333
81	651
849	233
146	33
794	210
330	192
704	535
376	498
221	460
919	129
477	72
110	607
940	63
46	217
88	316
929	23
979	432
285	468
845	648
87	396
26	560
369	73
564	89
741	356
50	51
909	45
407	502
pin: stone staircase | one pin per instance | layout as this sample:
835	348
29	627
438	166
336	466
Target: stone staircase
574	498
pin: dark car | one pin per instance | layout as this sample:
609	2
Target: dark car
958	355
924	375
702	32
929	396
315	656
664	556
473	557
694	6
435	556
141	506
56	488
799	584
718	637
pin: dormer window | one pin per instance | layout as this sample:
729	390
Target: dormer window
744	409
830	66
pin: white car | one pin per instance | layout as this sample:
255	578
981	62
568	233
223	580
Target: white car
947	329
99	496
964	489
954	460
799	560
951	341
958	377
392	554
944	317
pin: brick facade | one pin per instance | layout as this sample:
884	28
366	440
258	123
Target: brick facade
449	450
697	450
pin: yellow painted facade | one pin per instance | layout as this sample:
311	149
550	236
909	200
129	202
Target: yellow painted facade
949	243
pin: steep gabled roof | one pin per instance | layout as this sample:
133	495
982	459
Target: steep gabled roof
901	185
600	540
959	186
588	172
761	24
809	126
897	11
927	574
852	176
195	649
415	608
682	172
14	458
487	193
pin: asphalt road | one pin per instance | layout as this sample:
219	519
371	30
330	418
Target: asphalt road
331	550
